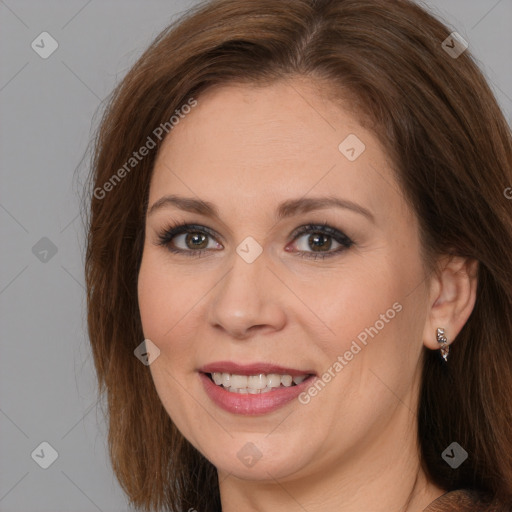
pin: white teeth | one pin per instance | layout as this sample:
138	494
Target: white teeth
226	380
286	380
273	380
238	381
257	381
255	384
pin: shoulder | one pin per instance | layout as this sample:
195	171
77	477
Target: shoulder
466	500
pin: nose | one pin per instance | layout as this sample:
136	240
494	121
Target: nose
248	299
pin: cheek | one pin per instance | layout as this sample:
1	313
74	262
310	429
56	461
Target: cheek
352	302
152	298
374	311
165	294
171	300
162	300
161	306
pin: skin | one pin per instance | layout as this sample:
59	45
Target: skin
353	447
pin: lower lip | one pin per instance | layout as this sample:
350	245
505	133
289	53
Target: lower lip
249	404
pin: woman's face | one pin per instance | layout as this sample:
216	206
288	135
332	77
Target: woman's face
256	297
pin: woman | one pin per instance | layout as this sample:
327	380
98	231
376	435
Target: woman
301	208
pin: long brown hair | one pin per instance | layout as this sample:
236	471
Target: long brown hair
451	149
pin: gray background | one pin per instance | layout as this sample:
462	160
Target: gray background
47	381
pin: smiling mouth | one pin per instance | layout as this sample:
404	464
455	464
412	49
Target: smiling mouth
255	384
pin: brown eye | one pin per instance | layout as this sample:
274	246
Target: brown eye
188	239
318	240
193	240
196	240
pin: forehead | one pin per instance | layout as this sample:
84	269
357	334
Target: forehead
271	143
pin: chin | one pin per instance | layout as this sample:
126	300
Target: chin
259	458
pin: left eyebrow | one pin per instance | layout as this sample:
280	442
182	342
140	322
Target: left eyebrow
303	205
286	209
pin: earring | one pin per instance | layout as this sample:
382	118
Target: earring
441	338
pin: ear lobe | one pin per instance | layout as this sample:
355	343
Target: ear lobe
452	298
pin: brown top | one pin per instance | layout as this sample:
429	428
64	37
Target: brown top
463	500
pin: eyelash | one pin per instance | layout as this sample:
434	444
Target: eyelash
165	238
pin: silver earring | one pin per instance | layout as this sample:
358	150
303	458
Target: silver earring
441	338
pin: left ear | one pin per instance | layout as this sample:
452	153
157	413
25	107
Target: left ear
452	298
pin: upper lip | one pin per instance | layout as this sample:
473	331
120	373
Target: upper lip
251	369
